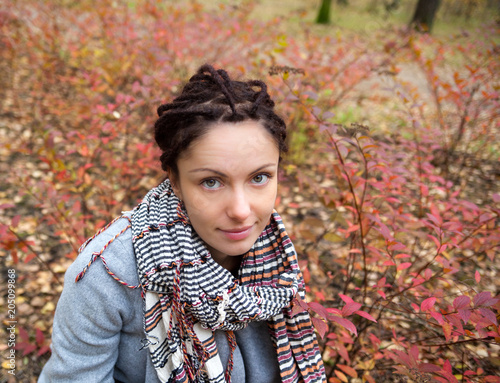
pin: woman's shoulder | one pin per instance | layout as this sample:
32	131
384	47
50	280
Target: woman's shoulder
109	254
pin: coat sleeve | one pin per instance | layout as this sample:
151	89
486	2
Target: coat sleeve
89	317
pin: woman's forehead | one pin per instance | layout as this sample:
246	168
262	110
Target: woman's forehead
229	145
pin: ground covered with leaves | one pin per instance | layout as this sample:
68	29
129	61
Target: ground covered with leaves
390	189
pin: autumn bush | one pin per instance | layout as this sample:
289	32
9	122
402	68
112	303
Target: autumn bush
390	189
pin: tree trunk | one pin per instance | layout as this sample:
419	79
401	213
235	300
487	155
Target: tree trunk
494	5
423	18
324	12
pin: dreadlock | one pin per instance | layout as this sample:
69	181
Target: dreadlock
209	97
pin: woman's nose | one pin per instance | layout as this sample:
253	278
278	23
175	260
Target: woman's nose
238	206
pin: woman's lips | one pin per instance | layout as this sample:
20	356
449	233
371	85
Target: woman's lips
237	234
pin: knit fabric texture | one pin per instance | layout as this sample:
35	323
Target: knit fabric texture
187	296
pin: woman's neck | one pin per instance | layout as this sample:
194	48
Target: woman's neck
229	262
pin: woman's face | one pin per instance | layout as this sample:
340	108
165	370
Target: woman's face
227	180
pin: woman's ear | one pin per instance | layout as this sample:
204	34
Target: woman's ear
174	181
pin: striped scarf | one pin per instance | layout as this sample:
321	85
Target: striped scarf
187	296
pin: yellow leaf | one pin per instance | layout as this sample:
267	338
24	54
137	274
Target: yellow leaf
59	269
366	365
332	237
49	307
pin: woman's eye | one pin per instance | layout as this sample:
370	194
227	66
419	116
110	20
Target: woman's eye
260	179
211	184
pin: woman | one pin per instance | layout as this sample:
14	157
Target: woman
206	271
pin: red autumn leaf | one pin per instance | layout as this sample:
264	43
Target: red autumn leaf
447	330
23	334
29	257
414	352
491	379
15	221
389	263
384	230
447	366
438	317
15	258
404	359
402	255
464	314
28	348
397	246
375	341
424	190
345	298
437	221
40	338
428	304
343	352
366	315
482	298
452	226
320	326
319	309
320	296
341	376
296	308
488	314
349	308
43	350
427	274
348	370
332	310
436	241
461	302
404	266
484	217
427	367
346	323
352	228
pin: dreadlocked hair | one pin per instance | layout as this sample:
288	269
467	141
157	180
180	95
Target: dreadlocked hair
210	97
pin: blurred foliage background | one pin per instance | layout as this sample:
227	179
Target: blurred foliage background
390	189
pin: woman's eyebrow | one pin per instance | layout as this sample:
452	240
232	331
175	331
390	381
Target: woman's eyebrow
265	166
207	170
224	175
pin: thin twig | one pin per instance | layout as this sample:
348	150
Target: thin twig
38	257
